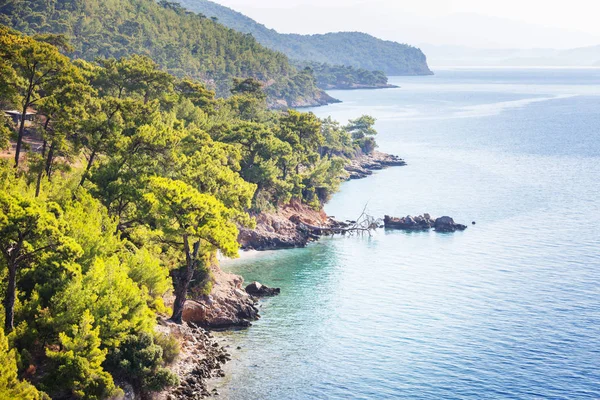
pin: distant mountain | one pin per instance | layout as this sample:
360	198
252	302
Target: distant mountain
465	56
353	49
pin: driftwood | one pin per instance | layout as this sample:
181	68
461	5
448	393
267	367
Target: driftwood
363	224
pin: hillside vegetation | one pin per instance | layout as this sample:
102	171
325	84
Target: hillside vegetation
140	177
344	77
344	48
183	43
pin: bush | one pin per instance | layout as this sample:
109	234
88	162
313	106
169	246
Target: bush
78	367
170	347
10	386
140	360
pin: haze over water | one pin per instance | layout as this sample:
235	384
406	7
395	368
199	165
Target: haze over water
508	309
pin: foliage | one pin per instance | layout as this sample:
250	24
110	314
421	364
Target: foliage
34	71
10	386
31	232
148	272
142	178
193	222
336	139
342	76
185	44
362	132
79	363
170	347
116	302
141	359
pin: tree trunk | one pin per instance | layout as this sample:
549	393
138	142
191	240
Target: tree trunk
183	283
23	115
49	160
41	173
256	193
21	133
9	299
180	298
87	169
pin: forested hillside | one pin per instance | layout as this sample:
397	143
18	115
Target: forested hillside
344	48
115	199
344	77
184	43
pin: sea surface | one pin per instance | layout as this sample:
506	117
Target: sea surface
508	309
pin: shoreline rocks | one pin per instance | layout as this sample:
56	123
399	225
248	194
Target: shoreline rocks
364	165
227	306
293	225
258	290
283	229
409	223
200	359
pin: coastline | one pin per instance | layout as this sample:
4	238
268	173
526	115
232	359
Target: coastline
228	306
293	225
361	87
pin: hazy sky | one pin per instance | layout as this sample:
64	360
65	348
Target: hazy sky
480	23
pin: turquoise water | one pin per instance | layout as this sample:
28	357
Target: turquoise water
508	309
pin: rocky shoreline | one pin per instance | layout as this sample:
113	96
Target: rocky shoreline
293	225
200	359
358	86
230	305
227	306
364	165
319	99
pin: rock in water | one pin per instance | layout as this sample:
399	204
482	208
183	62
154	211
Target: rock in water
422	223
409	223
258	290
447	224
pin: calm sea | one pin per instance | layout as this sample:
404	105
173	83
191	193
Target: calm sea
508	309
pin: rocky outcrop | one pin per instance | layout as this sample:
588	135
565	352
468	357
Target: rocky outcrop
283	229
200	359
423	222
409	223
296	224
364	165
317	99
227	306
447	224
259	290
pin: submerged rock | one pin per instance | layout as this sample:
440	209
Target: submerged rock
258	290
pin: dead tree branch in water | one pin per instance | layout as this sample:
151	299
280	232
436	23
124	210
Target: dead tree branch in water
365	223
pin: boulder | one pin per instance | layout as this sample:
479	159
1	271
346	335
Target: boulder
409	223
447	224
258	290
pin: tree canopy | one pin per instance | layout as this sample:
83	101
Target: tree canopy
142	177
182	43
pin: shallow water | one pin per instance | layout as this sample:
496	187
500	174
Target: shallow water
509	309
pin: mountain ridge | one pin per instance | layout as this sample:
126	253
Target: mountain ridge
355	49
